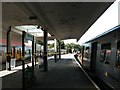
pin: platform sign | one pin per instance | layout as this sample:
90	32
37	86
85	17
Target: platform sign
39	42
28	37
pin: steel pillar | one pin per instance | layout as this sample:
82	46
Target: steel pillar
23	58
33	56
45	51
35	53
55	50
8	48
59	50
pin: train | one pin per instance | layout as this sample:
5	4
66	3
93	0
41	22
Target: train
101	56
16	52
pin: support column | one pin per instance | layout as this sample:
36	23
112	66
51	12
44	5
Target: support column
59	49
23	58
33	56
35	53
82	53
55	49
55	45
8	49
45	52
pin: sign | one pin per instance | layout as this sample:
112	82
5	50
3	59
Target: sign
28	37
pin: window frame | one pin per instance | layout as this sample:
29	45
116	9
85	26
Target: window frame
105	52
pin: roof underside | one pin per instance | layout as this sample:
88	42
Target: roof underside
63	20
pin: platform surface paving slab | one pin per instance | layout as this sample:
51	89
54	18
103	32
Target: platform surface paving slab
65	73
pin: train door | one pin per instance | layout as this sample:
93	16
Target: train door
93	57
82	54
117	64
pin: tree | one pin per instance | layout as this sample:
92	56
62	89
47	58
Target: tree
50	45
68	47
72	47
62	44
77	47
39	42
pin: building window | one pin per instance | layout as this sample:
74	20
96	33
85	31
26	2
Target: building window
105	53
118	55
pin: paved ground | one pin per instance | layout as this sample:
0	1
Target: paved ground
65	73
18	63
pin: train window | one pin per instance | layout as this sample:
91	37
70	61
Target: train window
118	55
105	53
0	52
106	46
86	51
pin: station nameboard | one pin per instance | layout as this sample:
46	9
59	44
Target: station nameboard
28	37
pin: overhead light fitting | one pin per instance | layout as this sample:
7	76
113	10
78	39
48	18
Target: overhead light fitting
33	18
52	35
38	27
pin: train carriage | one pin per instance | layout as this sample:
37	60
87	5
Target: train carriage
101	56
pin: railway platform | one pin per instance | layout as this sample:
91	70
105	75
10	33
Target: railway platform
65	73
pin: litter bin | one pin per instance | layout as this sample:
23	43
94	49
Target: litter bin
55	57
7	65
13	62
40	62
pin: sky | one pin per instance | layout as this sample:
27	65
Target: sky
107	20
68	41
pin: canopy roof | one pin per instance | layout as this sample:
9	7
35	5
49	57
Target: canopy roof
62	20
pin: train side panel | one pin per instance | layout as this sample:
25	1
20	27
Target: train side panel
106	62
87	56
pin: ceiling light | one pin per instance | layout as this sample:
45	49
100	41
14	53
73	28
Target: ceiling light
38	27
33	18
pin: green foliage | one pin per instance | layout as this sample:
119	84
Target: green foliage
69	47
77	47
62	44
50	45
39	42
72	46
